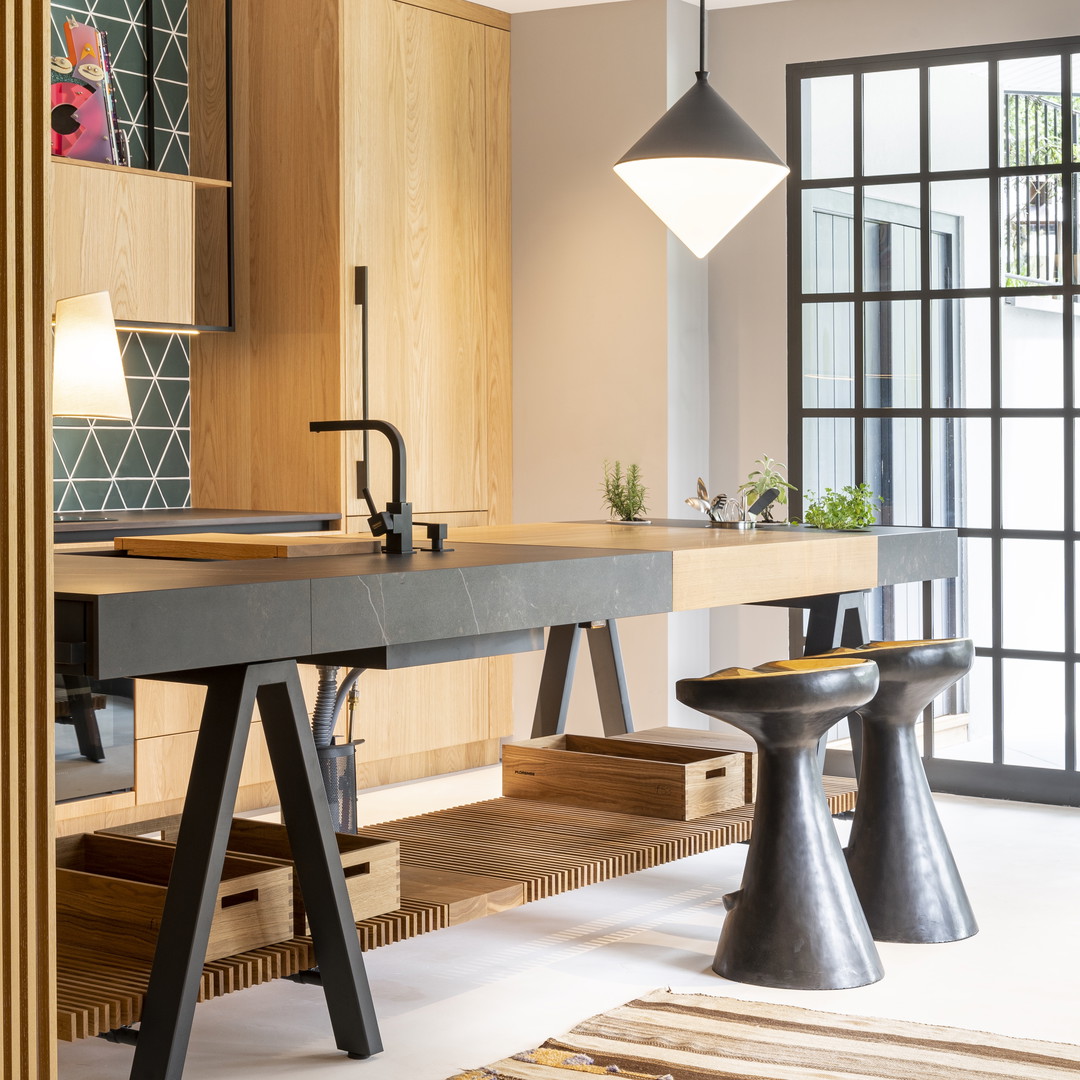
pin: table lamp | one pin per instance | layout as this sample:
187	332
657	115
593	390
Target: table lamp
88	371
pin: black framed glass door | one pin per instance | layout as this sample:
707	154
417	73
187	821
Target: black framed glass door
934	303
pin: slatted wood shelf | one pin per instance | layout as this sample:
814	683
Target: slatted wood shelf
547	849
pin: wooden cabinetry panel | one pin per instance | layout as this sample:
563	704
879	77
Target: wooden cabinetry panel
416	217
129	233
162	765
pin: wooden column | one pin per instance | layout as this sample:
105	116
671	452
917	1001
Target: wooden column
27	1049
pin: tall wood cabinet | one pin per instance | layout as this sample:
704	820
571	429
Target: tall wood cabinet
371	133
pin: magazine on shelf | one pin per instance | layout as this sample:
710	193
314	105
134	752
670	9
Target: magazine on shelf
83	99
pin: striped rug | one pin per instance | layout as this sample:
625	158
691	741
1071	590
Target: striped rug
666	1036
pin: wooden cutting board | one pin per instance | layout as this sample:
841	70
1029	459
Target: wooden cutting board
246	546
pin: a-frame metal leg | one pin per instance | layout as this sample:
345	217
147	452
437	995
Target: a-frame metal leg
318	866
553	698
560	660
609	677
169	1005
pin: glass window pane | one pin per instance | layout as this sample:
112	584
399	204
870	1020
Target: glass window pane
960	353
1034	713
896	613
1029	101
959	116
893	455
892	348
963	606
960	460
890	122
828	453
829	356
828	249
960	234
964	717
1031	352
1031	230
1032	595
1075	209
1031	447
1076	107
828	125
891	232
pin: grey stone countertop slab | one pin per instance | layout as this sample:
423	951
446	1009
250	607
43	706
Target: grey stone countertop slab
148	616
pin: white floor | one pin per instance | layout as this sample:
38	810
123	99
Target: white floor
466	996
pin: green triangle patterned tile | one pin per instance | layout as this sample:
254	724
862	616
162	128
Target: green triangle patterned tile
92	493
59	469
137	391
175	394
184	419
154	441
153	413
136	361
175	363
154	500
133	492
176	493
68	443
173	157
114	500
113	443
174	463
133	463
69	500
91	464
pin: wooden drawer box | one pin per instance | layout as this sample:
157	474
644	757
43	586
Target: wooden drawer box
729	741
651	780
372	867
110	891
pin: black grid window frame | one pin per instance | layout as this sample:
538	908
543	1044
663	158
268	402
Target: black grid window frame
995	778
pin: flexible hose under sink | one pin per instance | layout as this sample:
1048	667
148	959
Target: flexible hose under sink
329	700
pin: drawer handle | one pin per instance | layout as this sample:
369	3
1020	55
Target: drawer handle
713	773
358	869
239	898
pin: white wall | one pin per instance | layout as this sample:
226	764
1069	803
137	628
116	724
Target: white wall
610	321
750	48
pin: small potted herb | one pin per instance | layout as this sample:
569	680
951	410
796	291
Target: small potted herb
766	477
624	493
849	508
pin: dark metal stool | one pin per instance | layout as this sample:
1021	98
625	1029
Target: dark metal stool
900	861
796	922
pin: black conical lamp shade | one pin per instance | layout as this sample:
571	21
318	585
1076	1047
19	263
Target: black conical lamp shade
701	168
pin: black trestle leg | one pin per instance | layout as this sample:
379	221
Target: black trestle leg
318	866
169	1004
173	989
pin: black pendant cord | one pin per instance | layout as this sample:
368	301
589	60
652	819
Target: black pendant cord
702	70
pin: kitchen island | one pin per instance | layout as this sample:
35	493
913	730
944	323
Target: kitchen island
240	629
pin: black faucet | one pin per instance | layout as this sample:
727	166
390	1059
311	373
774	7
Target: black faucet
395	523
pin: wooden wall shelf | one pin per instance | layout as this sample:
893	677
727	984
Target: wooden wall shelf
542	848
127	170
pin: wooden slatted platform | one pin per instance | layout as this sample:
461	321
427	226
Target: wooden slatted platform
547	849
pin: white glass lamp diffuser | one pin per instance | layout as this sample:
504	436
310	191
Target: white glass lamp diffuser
701	168
88	372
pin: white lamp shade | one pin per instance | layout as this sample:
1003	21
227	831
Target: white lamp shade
88	372
701	168
700	199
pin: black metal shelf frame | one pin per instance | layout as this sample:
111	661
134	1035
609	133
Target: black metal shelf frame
996	778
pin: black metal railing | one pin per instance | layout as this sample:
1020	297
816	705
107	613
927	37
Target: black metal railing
1032	205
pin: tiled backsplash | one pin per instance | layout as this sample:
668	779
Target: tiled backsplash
107	464
115	465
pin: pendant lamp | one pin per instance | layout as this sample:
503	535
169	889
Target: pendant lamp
701	168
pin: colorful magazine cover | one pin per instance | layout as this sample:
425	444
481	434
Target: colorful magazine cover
84	122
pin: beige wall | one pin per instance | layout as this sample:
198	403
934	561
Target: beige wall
750	48
610	345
